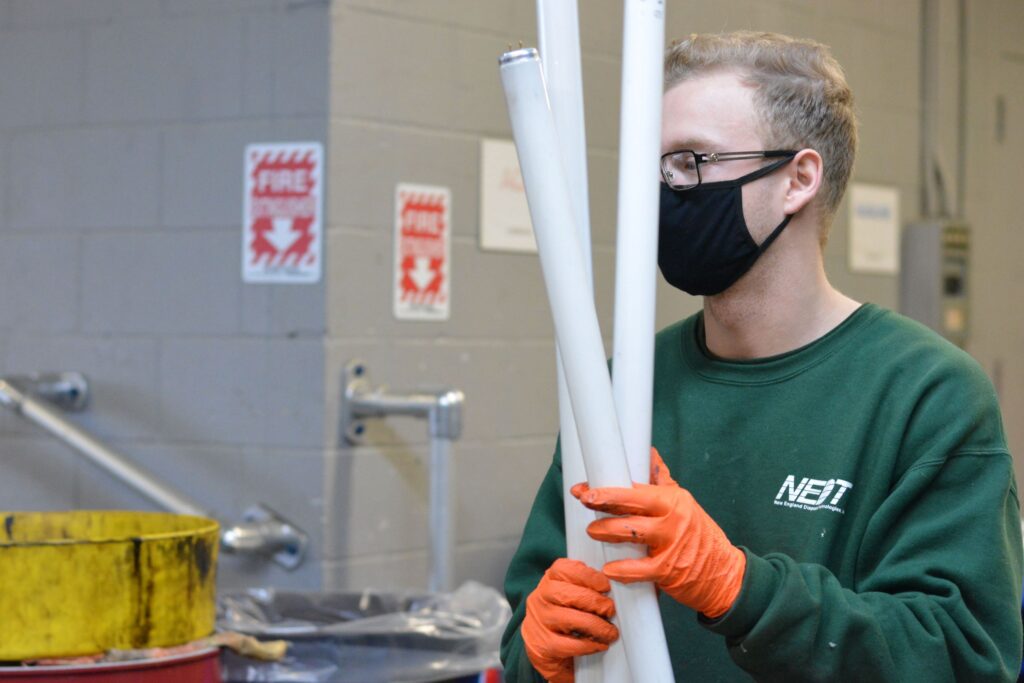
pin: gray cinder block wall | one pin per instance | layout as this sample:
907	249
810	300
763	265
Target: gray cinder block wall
122	125
122	128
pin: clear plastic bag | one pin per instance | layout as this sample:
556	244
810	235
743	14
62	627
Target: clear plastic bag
368	636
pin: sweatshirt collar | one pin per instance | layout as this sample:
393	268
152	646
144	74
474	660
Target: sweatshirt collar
771	369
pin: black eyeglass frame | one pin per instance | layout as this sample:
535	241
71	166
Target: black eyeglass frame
714	157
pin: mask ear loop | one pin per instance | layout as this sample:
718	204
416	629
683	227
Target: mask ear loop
775	233
760	173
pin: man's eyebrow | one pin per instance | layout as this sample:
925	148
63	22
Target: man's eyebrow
696	144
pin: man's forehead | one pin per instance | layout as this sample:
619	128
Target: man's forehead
709	113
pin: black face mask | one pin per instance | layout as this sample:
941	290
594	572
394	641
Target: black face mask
704	245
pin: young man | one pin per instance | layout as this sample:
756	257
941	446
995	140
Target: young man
845	507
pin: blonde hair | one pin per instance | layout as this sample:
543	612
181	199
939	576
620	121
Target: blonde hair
800	94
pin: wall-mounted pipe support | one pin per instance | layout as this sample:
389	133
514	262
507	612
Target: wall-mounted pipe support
33	397
442	410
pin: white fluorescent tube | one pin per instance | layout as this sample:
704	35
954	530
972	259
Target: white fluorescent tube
559	38
579	335
637	231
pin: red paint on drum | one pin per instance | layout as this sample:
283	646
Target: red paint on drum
195	667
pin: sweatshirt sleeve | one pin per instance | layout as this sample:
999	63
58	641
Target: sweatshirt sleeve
543	542
937	588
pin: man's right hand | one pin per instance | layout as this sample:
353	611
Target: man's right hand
567	616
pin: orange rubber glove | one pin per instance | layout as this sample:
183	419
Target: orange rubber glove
689	556
567	616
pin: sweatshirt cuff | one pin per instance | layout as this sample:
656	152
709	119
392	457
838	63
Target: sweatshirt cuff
760	584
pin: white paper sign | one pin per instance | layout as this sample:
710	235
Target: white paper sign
422	252
874	229
282	212
504	215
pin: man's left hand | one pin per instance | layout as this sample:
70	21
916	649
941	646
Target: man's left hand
690	557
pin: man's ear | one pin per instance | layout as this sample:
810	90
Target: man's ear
803	180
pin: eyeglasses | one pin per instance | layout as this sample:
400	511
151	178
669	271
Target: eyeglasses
681	169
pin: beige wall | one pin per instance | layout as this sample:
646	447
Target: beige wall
414	89
993	203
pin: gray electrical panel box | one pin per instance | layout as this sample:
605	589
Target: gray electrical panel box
934	277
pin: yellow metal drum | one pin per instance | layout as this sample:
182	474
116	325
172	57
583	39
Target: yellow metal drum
83	582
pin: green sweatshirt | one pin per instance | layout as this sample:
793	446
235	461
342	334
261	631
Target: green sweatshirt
867	479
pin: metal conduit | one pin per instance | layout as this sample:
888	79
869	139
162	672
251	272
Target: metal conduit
443	412
35	397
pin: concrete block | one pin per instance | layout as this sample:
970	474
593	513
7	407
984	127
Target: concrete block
84	179
485	562
52	13
838	246
513	20
878	289
602	88
288	53
257	71
122	376
400	571
456	88
179	8
202	167
711	17
236	572
1007	20
601	27
38	474
888	150
673	305
377	502
162	283
36	13
368	161
799	19
901	62
494	295
871	149
847	43
39	283
510	390
243	391
496	485
291	481
905	171
866	51
43	76
284	311
603	176
459	89
165	70
207	474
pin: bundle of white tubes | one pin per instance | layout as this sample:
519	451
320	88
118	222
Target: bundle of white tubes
558	38
547	125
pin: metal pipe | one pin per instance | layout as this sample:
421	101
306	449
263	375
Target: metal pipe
442	518
263	531
579	334
443	412
34	410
